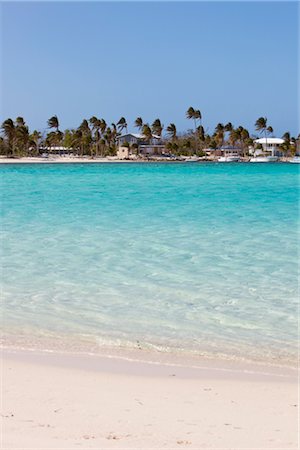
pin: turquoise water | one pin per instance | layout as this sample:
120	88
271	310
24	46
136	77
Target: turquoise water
189	258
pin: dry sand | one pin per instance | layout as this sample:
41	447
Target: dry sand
68	402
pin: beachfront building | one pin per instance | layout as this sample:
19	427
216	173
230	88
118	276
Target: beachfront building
225	150
57	150
132	144
268	146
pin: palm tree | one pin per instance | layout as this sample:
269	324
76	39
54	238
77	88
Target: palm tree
138	123
2	145
85	135
245	140
198	116
22	138
286	146
201	133
122	124
228	127
190	114
219	134
9	131
35	139
157	127
261	125
146	132
53	123
114	133
96	127
20	122
54	138
240	135
172	131
194	114
103	126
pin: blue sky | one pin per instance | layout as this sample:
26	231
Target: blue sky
235	61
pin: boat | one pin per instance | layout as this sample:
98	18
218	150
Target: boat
295	160
229	158
192	159
264	159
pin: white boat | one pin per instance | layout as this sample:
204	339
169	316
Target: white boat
264	159
229	158
295	160
192	159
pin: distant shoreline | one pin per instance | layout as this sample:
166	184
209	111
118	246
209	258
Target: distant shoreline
63	160
68	160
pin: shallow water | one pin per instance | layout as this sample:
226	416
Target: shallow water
197	258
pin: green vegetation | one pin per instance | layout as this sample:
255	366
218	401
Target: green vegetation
94	137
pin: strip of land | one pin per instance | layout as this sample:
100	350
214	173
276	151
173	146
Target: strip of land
62	160
68	402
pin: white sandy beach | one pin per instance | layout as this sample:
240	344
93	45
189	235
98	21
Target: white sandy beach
67	402
59	159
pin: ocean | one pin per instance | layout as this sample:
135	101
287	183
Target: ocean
193	259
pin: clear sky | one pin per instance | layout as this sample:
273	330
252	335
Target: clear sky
235	61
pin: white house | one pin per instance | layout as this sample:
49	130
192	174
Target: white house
269	145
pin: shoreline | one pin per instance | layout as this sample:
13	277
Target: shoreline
58	402
134	361
112	160
156	354
66	160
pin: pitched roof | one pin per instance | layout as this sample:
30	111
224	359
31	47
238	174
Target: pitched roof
269	140
138	136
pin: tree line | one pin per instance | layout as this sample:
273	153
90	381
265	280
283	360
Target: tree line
94	137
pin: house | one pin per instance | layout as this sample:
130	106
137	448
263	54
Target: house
132	143
57	150
225	150
230	150
269	145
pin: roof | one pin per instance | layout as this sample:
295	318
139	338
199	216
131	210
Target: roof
138	136
269	141
53	147
228	147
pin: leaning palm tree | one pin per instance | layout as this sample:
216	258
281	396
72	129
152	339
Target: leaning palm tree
287	136
172	131
22	138
245	140
146	132
228	127
198	116
286	146
219	134
53	123
194	114
9	132
157	127
20	122
122	124
190	114
138	123
261	125
103	126
85	135
35	140
234	136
